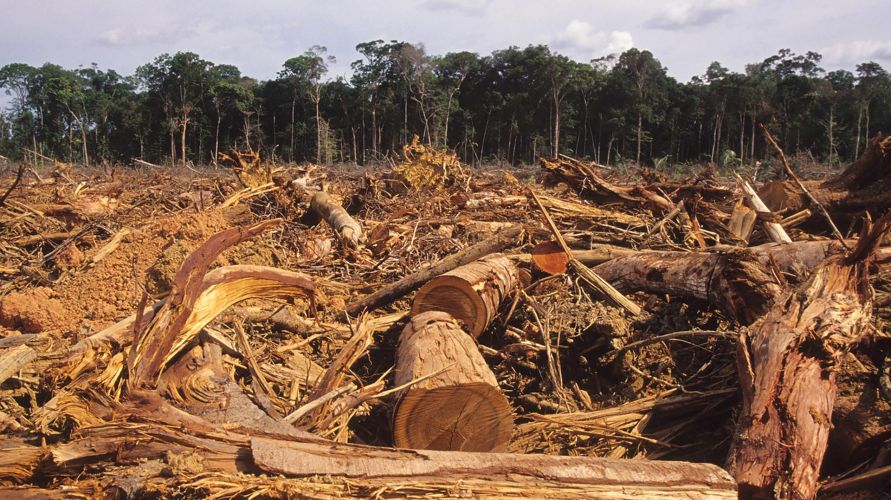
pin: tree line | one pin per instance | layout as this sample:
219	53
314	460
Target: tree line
509	107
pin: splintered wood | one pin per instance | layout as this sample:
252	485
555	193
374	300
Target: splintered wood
269	331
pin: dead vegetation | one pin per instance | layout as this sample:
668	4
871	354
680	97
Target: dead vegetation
276	333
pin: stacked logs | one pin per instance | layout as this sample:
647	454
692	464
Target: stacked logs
454	402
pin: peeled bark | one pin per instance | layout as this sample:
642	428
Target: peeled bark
344	225
456	404
499	474
470	293
788	369
735	281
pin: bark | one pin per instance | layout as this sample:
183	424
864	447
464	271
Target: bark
788	367
347	228
470	293
535	475
455	403
501	240
864	185
734	281
550	258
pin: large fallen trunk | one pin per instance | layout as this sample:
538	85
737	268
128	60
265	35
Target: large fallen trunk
518	475
864	186
501	240
788	369
456	403
734	281
349	230
470	293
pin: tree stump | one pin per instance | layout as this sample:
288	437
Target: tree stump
470	293
457	405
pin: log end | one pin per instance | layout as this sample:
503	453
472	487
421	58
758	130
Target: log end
456	297
470	417
549	257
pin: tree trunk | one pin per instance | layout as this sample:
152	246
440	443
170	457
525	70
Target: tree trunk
857	143
172	147
549	257
317	99
349	231
83	136
470	293
639	134
734	281
788	369
216	139
457	405
185	125
498	474
499	241
293	108
557	124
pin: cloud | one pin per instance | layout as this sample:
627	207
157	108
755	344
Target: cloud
465	6
681	14
126	37
580	39
857	51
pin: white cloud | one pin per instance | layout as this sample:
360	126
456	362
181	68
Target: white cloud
124	37
466	6
580	39
857	51
681	14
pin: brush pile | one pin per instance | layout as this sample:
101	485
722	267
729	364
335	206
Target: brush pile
276	333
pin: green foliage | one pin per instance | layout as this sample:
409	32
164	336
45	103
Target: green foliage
512	105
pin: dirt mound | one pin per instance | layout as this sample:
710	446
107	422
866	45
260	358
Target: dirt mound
32	311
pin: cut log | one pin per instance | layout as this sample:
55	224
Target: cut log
734	281
550	258
470	293
520	475
788	369
456	404
344	225
496	243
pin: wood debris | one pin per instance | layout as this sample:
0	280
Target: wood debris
562	333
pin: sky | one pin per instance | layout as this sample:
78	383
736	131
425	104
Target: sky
258	36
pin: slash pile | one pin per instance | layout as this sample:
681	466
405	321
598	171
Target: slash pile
330	332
